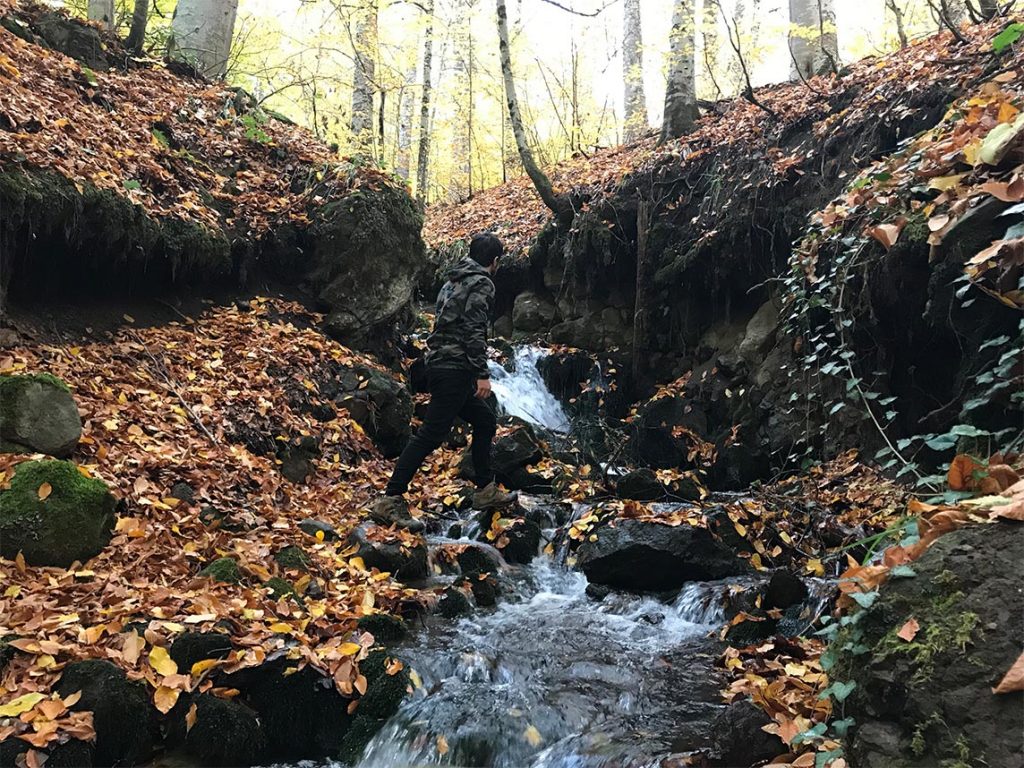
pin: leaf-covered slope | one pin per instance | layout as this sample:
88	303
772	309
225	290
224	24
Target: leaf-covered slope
876	90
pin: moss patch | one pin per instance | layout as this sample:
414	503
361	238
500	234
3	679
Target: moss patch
223	569
383	627
73	522
945	629
279	587
293	557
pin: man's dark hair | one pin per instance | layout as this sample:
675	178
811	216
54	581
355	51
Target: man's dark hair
485	248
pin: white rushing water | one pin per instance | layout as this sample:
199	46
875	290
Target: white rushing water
522	392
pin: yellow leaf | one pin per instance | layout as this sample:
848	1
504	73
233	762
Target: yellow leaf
755	560
442	745
357	564
201	666
165	698
12	591
740	529
44	491
281	628
815	567
162	662
532	735
21	704
414	677
349	649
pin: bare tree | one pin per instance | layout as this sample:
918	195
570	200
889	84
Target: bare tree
423	152
137	33
558	204
102	11
201	33
812	38
897	13
406	106
681	90
364	41
634	100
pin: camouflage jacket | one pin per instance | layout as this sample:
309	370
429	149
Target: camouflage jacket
459	339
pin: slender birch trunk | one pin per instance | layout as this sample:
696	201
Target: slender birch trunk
423	153
102	11
364	75
681	90
634	99
812	38
201	33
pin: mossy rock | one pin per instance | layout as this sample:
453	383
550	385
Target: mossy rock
223	569
122	715
73	523
225	733
70	754
191	647
279	587
302	713
384	695
38	415
293	557
384	627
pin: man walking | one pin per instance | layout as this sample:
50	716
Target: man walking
459	384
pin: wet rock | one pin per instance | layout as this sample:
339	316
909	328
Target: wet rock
475	559
532	313
598	592
384	694
122	715
523	541
191	647
225	732
641	485
483	586
406	563
639	556
724	529
929	701
453	603
550	515
38	415
298	458
515	451
738	464
384	627
380	404
503	327
652	440
565	373
224	570
784	589
73	522
302	714
313	527
737	737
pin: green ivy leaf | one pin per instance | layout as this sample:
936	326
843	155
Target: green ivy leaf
1007	37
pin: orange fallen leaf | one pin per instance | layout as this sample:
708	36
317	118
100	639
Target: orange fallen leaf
44	491
909	630
1013	680
961	472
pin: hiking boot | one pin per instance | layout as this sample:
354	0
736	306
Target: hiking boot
492	497
392	510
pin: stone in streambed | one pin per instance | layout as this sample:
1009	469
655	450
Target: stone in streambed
54	515
640	556
386	689
38	415
384	627
404	562
191	647
225	732
71	754
640	485
122	715
318	529
737	738
454	603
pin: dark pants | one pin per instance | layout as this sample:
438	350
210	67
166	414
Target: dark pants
452	394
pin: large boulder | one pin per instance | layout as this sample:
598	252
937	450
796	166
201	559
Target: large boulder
385	691
641	485
54	515
515	451
225	732
737	737
368	255
38	415
405	563
641	556
653	435
532	313
122	715
928	701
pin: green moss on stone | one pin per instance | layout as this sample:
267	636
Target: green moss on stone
74	522
279	587
384	627
293	557
223	569
944	629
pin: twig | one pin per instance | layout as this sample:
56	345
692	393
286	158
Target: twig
160	368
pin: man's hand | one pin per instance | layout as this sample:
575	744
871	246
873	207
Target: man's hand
483	388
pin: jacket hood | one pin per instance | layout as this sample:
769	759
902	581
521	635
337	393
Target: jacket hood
464	268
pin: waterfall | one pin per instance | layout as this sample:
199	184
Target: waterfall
522	392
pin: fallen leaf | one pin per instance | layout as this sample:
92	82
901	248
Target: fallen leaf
162	662
1013	680
909	630
532	735
44	491
190	717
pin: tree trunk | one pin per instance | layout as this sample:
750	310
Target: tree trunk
137	34
634	100
681	90
403	149
103	12
364	76
558	205
641	302
423	154
897	14
812	38
201	33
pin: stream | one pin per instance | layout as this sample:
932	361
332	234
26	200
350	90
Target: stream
551	676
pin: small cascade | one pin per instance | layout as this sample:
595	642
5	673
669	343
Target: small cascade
522	392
